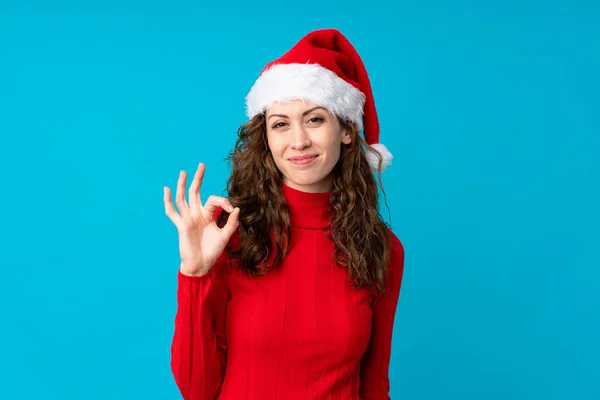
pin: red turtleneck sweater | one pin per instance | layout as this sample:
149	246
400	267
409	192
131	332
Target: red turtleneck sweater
299	332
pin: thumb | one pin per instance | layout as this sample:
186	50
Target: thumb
232	223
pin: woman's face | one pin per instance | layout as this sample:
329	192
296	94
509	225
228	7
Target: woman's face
297	130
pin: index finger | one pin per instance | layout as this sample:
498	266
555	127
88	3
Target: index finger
195	200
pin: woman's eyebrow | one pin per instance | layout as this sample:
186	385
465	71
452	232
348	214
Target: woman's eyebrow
303	114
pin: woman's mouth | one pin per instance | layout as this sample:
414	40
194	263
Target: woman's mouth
303	160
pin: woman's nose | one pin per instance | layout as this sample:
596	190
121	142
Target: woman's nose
299	139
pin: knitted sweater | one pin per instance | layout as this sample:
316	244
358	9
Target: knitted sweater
299	332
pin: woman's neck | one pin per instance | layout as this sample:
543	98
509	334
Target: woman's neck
307	210
325	185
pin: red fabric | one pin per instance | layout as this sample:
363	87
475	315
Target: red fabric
298	332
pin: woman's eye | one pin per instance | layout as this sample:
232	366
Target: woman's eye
316	119
279	124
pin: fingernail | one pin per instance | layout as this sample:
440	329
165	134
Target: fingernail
230	208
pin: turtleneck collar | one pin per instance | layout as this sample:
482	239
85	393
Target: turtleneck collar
307	210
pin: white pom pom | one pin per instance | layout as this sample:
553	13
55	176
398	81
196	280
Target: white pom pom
373	159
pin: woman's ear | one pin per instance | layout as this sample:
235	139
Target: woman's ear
347	130
346	139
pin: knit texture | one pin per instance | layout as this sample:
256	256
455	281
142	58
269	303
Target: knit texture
299	332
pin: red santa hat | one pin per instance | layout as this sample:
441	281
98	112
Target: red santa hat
325	69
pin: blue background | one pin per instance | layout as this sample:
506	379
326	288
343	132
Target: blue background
490	108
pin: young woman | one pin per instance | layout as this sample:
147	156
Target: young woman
288	288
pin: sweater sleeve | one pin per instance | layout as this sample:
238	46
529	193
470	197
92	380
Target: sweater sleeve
374	368
199	348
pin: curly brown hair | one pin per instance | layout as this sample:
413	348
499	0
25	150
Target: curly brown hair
359	233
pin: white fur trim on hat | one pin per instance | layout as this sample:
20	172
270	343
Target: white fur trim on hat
308	82
373	159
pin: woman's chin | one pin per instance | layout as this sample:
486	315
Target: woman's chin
307	182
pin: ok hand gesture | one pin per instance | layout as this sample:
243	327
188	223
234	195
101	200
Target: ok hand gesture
201	241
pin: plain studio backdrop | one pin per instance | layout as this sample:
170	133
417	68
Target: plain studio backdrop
489	107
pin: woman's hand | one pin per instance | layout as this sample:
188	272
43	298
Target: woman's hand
201	241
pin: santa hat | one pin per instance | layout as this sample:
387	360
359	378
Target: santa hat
323	68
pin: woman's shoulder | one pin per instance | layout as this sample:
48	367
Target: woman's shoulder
396	266
396	243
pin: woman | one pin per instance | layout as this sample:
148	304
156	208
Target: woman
288	288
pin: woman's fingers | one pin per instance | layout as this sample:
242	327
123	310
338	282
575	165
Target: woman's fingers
232	223
195	200
182	206
169	209
214	202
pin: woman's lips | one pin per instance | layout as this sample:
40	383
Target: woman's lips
303	160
